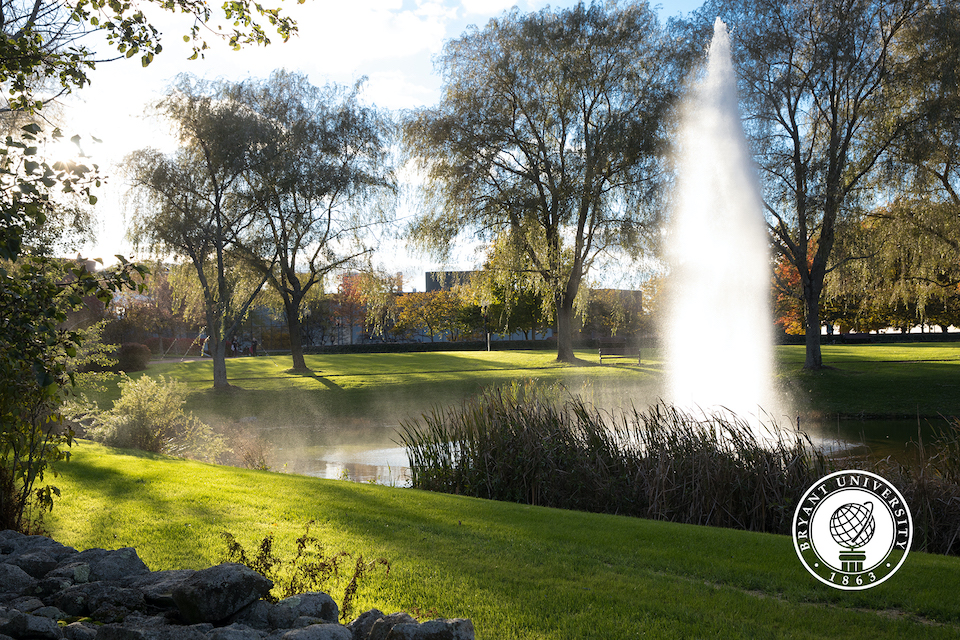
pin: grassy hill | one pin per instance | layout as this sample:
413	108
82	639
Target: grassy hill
517	571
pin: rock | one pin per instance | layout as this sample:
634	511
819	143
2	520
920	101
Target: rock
319	632
86	599
381	628
361	626
112	565
80	631
215	594
452	629
158	586
116	632
36	563
128	602
234	632
49	612
313	605
256	614
15	580
26	604
75	572
25	625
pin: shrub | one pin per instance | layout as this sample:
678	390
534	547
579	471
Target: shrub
132	356
149	416
311	569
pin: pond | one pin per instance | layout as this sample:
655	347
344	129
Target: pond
874	437
360	453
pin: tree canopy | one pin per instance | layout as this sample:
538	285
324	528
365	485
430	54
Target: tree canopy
317	186
817	79
551	130
194	202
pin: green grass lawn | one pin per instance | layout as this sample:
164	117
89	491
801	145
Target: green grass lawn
878	380
897	380
385	387
516	571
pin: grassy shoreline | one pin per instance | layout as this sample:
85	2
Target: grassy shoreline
517	571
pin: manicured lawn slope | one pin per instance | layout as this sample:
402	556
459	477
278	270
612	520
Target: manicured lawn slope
385	387
517	571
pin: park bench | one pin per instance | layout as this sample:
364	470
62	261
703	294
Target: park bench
617	348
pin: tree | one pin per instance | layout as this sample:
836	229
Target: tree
38	52
814	74
512	299
194	202
550	131
36	294
327	157
431	313
923	222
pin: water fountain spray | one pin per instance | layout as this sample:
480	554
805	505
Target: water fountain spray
719	330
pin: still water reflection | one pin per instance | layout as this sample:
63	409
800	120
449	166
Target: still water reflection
360	453
876	438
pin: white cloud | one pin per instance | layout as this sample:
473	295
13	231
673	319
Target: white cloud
487	7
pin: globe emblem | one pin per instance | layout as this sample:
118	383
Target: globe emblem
853	525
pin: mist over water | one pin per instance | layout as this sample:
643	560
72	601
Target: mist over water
719	333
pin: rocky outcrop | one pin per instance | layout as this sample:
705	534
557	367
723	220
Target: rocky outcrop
51	592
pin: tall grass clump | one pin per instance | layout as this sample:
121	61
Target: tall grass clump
518	444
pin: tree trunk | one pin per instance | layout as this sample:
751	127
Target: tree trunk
292	308
811	300
218	349
565	330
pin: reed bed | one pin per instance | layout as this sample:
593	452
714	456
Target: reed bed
541	446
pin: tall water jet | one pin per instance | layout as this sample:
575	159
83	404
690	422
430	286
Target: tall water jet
719	331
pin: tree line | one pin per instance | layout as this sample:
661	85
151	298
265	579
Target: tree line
552	143
362	308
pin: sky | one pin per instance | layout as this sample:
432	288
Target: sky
390	42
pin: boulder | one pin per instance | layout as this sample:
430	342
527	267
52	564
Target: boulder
215	594
111	565
319	632
312	605
15	580
25	625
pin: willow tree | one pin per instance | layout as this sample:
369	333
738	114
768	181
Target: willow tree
817	81
550	132
317	188
193	203
923	258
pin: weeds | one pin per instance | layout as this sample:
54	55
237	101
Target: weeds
521	445
310	570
